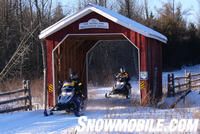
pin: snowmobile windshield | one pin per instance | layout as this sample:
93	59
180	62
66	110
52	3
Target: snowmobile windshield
120	79
68	86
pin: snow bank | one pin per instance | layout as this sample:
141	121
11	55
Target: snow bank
33	122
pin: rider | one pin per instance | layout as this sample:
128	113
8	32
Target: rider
78	85
123	75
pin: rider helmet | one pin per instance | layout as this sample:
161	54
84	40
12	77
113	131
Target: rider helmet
122	70
73	76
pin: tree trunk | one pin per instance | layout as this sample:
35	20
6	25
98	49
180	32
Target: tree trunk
43	54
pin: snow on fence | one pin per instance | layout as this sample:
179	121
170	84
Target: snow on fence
178	85
26	97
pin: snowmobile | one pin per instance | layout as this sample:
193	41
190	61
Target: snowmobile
121	87
69	100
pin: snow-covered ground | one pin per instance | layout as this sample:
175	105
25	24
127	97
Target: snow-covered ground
98	107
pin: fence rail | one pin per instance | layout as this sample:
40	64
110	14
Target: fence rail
191	81
196	74
196	80
180	77
181	85
12	92
175	87
26	97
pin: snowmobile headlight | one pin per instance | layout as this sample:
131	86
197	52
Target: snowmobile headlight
64	93
69	93
118	83
122	83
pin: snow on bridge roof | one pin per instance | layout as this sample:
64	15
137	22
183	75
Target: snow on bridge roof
111	15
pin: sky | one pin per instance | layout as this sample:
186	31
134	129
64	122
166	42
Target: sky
192	5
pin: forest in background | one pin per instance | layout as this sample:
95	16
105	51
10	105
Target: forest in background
20	17
102	69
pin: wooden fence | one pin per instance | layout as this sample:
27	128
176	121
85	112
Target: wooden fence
177	85
26	98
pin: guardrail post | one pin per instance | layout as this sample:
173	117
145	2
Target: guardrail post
24	86
189	80
171	91
186	78
29	94
155	84
168	85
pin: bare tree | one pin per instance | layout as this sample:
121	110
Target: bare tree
172	14
198	14
146	7
40	12
58	13
131	9
83	3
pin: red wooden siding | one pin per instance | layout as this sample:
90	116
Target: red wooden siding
154	60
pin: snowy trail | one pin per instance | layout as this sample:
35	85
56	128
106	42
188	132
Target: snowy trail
34	122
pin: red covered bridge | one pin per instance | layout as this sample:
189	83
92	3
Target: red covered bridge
69	40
